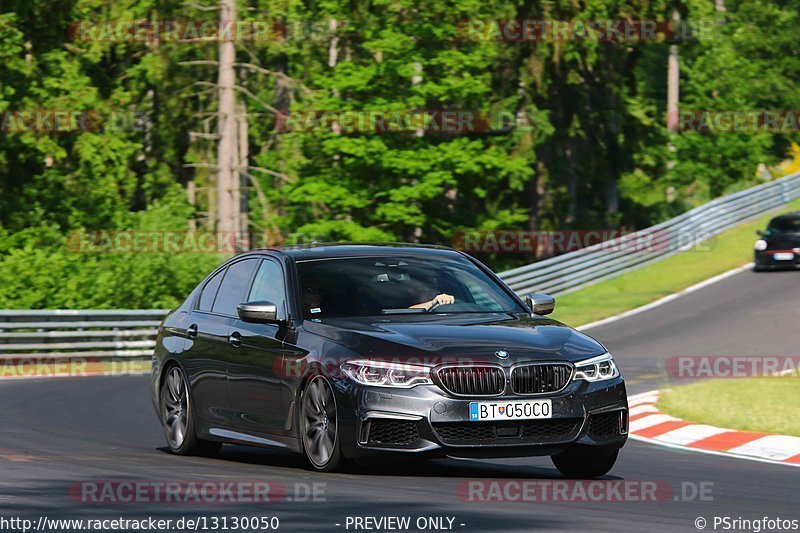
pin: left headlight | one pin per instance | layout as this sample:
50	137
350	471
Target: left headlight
597	368
380	374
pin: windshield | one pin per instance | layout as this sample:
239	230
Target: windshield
784	225
370	286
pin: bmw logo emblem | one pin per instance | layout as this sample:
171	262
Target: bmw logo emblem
501	354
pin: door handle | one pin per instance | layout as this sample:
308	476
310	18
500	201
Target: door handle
235	339
191	331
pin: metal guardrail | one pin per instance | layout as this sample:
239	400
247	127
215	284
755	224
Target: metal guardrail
111	334
579	268
100	334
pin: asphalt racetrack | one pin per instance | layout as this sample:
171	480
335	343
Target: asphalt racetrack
59	436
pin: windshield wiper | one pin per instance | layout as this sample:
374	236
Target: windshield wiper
403	311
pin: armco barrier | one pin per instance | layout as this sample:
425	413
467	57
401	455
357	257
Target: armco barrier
573	270
109	334
69	333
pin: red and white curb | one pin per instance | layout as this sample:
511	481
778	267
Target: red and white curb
648	424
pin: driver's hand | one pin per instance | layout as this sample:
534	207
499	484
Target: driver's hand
441	299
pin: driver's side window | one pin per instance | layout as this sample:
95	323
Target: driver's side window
269	286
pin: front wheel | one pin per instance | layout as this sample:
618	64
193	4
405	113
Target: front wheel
178	419
319	425
585	464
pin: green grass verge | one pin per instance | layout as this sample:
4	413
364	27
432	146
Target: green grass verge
768	405
724	252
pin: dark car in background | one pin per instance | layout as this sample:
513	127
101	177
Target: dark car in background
346	352
779	245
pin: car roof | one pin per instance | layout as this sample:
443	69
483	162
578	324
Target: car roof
788	216
313	251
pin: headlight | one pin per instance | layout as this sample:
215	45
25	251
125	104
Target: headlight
597	368
382	374
760	245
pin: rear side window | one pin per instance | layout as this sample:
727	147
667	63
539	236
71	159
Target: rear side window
210	291
785	225
231	292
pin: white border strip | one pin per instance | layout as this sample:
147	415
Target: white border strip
711	452
648	440
665	299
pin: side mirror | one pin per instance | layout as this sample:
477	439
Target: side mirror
260	312
541	304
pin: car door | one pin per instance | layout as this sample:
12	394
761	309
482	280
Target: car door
254	366
204	360
209	328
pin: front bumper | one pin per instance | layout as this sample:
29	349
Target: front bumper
427	421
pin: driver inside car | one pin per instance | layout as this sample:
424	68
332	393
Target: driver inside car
439	299
312	295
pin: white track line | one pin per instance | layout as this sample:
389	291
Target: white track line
711	452
689	434
650	421
643	408
778	447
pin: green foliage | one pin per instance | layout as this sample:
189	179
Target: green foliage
762	404
42	268
583	143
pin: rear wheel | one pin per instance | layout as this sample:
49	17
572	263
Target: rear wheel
319	425
178	419
585	464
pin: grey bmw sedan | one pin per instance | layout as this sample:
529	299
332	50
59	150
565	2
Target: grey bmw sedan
345	352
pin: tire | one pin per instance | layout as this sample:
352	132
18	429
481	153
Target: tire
319	426
177	418
585	464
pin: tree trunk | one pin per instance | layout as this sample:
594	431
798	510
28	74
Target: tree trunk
673	89
227	188
244	154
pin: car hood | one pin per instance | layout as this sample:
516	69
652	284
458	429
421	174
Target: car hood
442	338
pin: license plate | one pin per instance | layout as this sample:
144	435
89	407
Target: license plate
529	410
787	256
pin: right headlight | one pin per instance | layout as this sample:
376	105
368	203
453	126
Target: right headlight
597	368
760	245
381	374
